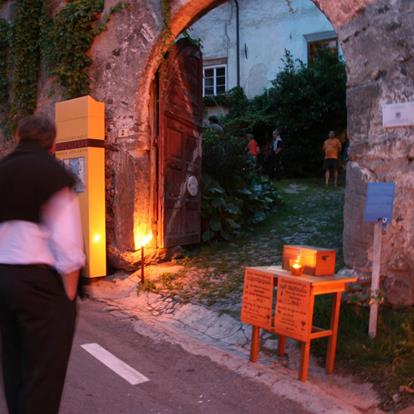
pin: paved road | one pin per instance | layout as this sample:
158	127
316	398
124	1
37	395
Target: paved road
179	382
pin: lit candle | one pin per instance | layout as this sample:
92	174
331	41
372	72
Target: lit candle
296	266
142	241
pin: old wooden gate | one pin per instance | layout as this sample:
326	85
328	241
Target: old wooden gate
179	145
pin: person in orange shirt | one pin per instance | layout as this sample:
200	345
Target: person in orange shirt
252	146
332	148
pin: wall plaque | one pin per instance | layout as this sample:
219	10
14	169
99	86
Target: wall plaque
257	298
398	115
293	318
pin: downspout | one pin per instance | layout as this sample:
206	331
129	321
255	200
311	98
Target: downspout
237	42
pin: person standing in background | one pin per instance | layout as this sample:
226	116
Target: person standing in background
41	253
332	148
277	146
252	146
214	125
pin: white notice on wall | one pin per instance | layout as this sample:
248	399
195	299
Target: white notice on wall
398	115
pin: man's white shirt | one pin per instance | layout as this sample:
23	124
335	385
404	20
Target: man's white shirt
56	241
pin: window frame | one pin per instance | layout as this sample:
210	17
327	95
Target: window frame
313	38
215	67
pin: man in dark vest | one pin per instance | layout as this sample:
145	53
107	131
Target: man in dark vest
41	252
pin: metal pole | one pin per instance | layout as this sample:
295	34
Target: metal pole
238	41
375	281
142	264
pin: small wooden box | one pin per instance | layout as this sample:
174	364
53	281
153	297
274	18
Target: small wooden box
317	261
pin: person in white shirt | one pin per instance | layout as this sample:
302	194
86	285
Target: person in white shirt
277	146
41	253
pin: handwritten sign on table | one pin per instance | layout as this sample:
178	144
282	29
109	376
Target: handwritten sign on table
292	316
257	298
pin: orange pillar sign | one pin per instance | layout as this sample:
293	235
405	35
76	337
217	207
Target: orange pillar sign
80	146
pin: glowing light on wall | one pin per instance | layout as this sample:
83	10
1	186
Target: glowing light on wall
97	238
141	240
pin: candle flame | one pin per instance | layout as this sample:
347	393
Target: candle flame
296	266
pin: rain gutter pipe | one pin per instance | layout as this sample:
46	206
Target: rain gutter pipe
238	41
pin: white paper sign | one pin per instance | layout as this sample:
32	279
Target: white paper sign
398	115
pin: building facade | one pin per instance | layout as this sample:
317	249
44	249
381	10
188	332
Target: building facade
244	41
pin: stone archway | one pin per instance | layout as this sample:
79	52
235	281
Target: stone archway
377	37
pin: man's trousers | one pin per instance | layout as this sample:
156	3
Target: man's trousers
37	322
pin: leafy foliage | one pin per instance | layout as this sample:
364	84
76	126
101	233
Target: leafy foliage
248	115
26	58
225	159
307	102
4	53
304	103
61	42
234	196
69	37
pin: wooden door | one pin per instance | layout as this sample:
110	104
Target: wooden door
179	145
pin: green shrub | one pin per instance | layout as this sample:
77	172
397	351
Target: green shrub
304	103
225	159
220	212
235	197
307	102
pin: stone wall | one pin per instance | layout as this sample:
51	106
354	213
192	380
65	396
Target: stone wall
379	45
377	40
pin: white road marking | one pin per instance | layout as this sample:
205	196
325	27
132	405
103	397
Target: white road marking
115	364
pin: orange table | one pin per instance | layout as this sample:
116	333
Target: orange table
291	313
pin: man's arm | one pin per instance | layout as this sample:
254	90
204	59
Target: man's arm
70	283
62	218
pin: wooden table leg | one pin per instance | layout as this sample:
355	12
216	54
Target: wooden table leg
304	361
330	356
255	345
281	345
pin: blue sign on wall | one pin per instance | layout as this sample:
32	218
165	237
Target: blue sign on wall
379	202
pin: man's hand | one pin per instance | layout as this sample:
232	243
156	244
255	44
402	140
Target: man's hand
70	283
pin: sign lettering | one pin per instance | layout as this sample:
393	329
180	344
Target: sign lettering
292	316
257	299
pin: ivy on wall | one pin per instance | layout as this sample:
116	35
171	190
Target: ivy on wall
26	58
69	36
61	42
4	53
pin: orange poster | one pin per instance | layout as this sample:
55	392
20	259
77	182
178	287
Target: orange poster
257	298
293	317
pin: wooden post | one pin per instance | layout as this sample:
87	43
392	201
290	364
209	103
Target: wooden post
375	280
281	345
142	264
255	345
305	348
330	356
304	360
